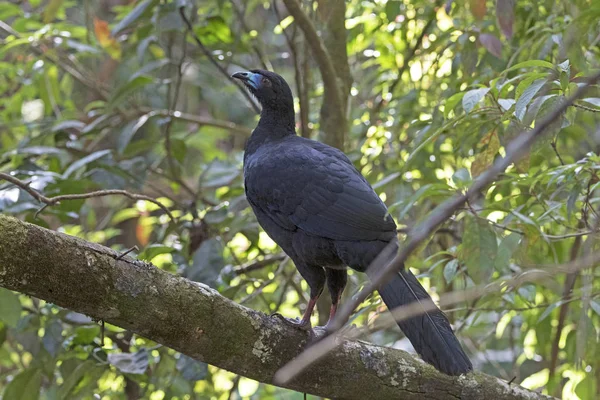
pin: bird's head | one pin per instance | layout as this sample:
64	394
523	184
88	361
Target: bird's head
270	89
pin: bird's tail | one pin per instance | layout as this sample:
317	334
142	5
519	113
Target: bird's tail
430	332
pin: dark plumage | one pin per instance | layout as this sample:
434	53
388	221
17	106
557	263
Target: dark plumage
311	201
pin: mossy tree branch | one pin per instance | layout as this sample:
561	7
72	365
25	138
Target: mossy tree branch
197	321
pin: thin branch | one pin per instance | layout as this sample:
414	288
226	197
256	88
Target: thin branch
208	54
50	201
202	121
256	265
172	105
514	151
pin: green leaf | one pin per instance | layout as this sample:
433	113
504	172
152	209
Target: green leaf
179	149
549	309
8	10
531	63
207	264
128	88
25	386
74	378
86	334
485	158
452	102
131	17
11	44
450	270
508	246
130	363
154	250
479	249
82	162
595	306
10	307
129	131
586	389
53	338
472	97
51	9
191	369
526	97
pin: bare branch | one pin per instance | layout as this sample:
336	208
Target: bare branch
50	201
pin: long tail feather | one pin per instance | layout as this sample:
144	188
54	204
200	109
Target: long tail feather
430	333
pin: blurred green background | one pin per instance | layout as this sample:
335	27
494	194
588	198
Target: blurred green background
112	94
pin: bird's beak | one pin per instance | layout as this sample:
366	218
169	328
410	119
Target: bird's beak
245	77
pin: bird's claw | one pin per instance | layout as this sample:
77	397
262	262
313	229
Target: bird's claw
294	322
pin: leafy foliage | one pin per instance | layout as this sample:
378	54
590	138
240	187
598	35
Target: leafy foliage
115	95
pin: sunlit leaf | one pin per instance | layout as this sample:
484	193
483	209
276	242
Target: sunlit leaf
25	386
10	307
527	96
136	13
485	158
130	363
479	249
473	97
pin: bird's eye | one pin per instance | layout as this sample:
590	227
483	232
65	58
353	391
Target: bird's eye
265	82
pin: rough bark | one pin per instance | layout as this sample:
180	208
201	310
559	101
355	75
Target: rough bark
333	22
333	123
197	321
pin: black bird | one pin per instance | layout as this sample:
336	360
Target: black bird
313	203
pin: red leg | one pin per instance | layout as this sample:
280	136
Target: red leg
304	323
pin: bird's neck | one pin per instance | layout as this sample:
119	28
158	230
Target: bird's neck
278	122
273	125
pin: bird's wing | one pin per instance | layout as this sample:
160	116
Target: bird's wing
314	187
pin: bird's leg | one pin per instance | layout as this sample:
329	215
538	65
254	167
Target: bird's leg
304	323
336	282
315	277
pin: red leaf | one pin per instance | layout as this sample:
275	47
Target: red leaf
478	8
505	12
491	43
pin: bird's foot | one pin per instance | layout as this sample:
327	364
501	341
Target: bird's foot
294	322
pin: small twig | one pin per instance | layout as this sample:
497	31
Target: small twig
553	144
586	108
202	121
207	53
129	250
172	105
50	201
244	269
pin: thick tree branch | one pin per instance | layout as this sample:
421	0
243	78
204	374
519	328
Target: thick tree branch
197	321
327	69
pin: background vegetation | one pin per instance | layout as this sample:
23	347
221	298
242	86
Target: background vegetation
114	95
